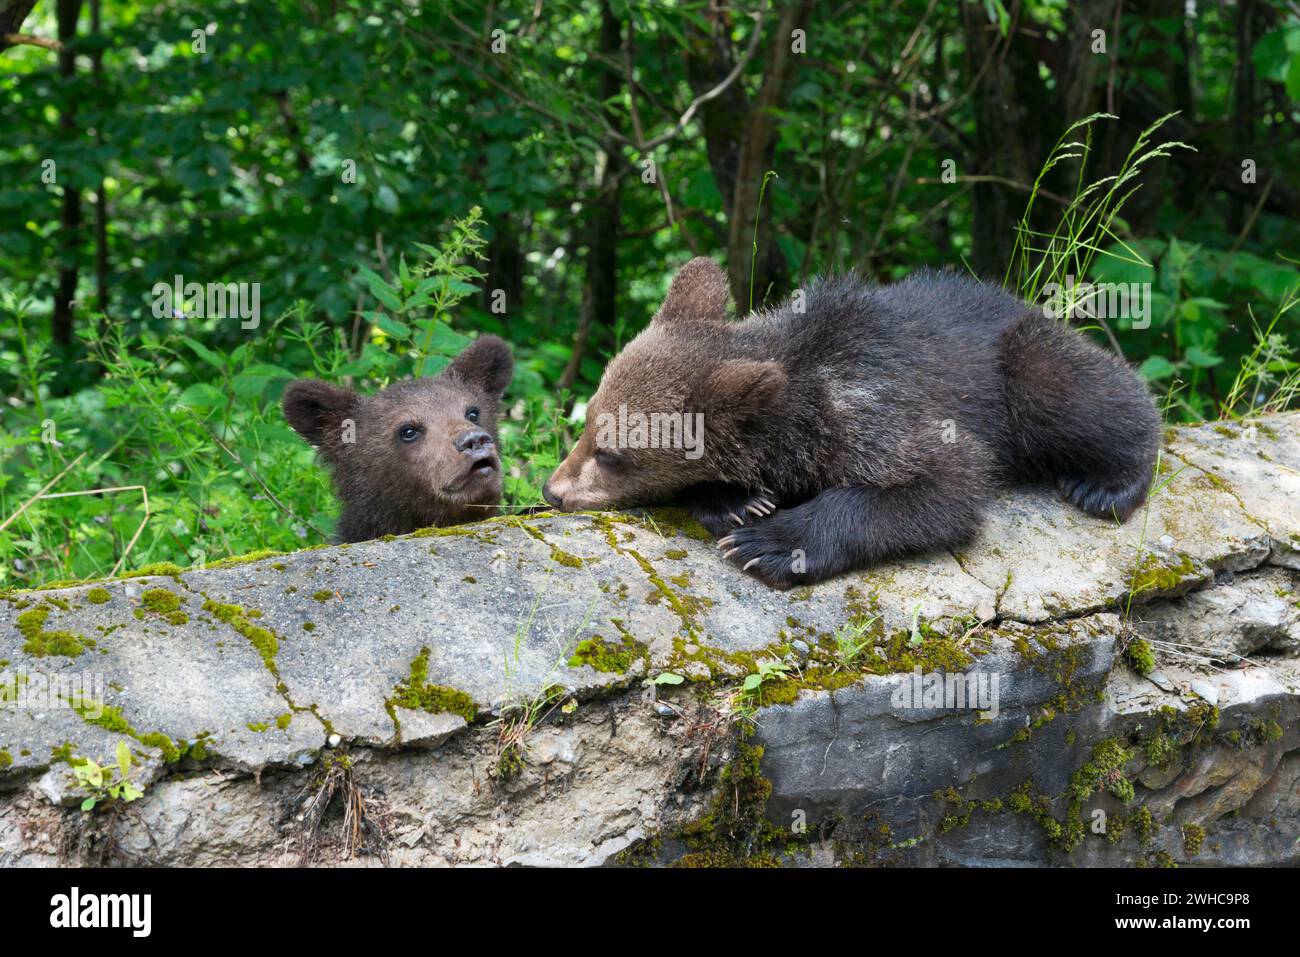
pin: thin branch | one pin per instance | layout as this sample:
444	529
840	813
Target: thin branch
26	39
717	91
48	485
116	488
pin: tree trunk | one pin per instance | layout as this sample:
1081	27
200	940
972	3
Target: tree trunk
12	15
101	195
600	284
1243	119
740	138
999	110
754	279
70	220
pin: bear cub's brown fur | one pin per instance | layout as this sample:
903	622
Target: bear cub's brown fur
421	452
857	422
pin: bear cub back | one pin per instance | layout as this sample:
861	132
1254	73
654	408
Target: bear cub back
422	452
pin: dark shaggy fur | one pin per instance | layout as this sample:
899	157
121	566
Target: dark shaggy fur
421	452
865	423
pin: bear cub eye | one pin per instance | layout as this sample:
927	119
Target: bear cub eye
608	460
408	433
472	413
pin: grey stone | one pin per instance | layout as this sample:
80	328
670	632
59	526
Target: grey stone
331	678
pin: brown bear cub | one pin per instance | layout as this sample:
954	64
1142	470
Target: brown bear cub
856	422
421	452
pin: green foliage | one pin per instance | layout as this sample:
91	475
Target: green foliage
851	640
746	700
109	783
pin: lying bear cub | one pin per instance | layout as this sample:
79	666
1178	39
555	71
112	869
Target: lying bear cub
856	422
421	452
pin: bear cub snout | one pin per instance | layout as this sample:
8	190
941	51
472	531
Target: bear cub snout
422	452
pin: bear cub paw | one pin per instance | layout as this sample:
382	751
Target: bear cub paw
1102	498
770	551
724	508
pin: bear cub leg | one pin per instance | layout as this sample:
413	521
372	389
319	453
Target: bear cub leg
1078	416
843	529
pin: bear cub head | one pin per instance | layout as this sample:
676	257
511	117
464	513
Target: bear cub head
421	452
684	374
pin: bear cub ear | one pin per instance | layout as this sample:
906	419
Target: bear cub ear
744	387
698	293
486	363
316	409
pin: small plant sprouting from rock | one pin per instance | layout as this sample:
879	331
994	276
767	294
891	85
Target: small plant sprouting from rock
916	636
745	701
108	783
514	727
851	639
364	828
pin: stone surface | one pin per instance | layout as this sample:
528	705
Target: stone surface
446	680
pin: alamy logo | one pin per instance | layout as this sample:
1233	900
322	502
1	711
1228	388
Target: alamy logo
1100	300
950	690
216	300
37	691
103	910
651	430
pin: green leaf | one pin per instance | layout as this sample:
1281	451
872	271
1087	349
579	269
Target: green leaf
250	383
442	339
668	678
88	804
202	395
203	352
381	289
1156	368
392	327
1271	55
1293	78
1200	358
123	758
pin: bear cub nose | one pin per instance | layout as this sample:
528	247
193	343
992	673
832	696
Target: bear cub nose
551	497
473	440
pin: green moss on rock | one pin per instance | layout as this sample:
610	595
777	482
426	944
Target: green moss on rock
256	556
416	694
262	639
1193	838
156	570
1154	574
608	657
40	643
1139	656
